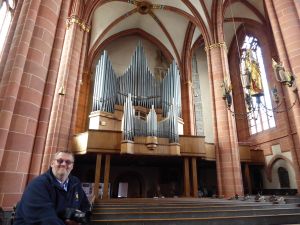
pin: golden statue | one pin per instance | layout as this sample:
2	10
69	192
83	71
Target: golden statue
253	70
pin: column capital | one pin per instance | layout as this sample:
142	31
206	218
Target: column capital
74	19
216	45
188	82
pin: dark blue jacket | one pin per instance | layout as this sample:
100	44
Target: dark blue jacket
44	199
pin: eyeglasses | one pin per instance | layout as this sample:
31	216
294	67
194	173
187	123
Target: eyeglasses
61	161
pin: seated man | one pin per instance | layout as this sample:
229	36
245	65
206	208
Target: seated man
47	197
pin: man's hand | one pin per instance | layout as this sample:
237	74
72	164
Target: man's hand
71	222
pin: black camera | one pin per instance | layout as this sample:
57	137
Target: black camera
75	215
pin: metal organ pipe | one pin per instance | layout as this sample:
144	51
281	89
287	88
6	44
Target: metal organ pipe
135	126
128	120
171	89
138	87
152	123
139	81
104	86
96	87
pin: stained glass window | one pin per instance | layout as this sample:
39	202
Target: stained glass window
256	88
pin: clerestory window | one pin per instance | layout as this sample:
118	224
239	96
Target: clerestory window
256	88
7	8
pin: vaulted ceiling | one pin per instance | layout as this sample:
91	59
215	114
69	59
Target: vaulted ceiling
176	24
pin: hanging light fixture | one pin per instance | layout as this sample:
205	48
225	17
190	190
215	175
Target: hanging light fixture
254	90
283	76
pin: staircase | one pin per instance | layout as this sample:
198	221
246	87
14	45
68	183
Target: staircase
186	211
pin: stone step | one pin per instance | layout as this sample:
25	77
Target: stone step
166	208
163	203
268	219
182	203
292	199
193	214
187	201
181	211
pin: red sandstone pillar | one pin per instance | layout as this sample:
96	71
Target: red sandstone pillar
248	178
285	22
62	113
82	90
194	176
297	3
186	177
9	38
21	92
187	91
188	108
106	193
81	118
227	151
43	122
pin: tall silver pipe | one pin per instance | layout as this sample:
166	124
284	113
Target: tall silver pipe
152	123
104	85
128	123
96	86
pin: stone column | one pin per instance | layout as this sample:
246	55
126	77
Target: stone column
80	103
8	42
48	95
62	113
195	177
186	172
188	108
106	177
22	87
97	176
187	91
226	144
285	23
248	178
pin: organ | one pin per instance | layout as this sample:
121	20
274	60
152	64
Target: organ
119	100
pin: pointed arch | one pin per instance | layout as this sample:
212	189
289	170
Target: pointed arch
272	163
267	46
93	54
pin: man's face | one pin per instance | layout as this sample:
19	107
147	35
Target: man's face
62	165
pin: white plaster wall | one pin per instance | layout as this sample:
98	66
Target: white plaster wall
205	95
121	50
276	151
275	179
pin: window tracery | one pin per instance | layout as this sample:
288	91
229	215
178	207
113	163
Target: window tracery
256	88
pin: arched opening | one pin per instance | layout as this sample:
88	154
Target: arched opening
283	175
